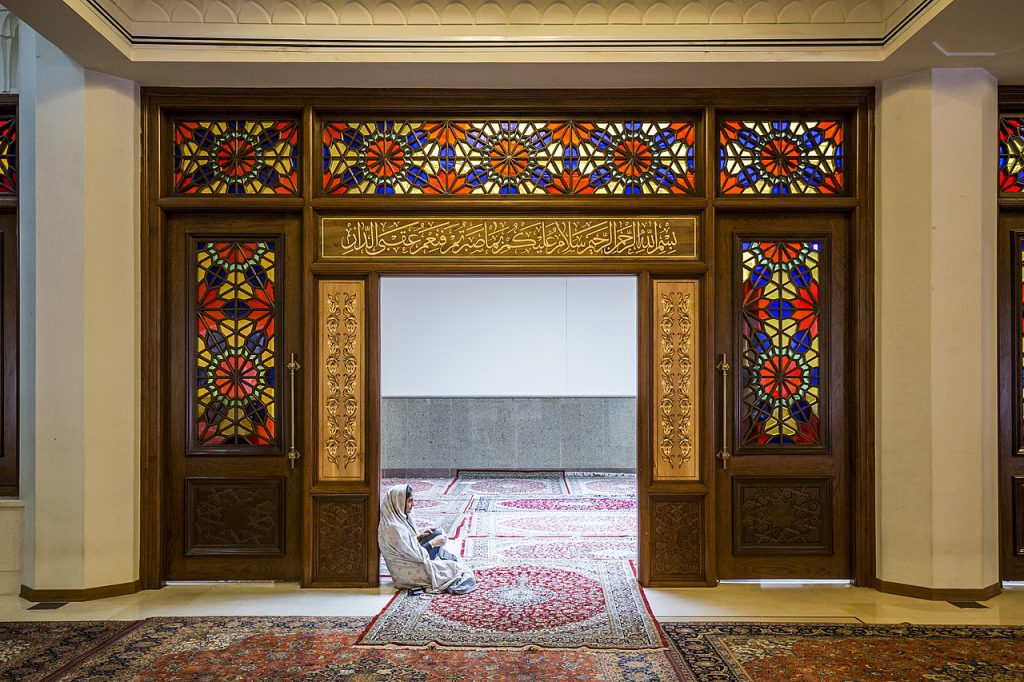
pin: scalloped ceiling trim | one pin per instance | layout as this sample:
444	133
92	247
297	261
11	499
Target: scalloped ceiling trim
511	12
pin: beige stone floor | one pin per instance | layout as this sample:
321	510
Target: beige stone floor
764	602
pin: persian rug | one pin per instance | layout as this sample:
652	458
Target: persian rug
33	650
549	504
507	483
593	548
318	650
560	524
778	651
599	483
548	604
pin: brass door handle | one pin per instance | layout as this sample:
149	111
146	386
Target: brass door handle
293	368
723	454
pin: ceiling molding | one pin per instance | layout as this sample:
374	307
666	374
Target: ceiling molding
711	25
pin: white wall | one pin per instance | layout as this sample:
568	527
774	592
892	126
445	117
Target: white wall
80	293
936	361
508	336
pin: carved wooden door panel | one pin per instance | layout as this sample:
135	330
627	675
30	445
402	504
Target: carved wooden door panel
233	495
1011	388
783	470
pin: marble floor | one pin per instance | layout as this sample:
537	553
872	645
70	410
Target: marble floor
760	602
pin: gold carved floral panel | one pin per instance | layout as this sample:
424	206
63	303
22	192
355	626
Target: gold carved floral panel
342	380
676	380
529	238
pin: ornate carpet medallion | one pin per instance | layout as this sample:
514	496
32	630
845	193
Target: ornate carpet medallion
763	651
508	483
553	604
553	524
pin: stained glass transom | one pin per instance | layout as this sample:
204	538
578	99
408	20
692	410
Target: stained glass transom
508	157
1011	154
8	155
781	361
780	157
236	309
236	157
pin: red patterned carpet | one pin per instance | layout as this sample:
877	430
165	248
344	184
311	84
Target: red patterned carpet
321	649
824	653
308	649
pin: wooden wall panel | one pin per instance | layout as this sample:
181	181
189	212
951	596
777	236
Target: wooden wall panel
678	539
1017	486
676	381
233	516
782	516
339	540
341	455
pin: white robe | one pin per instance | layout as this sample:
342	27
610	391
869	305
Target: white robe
407	561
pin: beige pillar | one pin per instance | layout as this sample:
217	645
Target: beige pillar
936	331
80	302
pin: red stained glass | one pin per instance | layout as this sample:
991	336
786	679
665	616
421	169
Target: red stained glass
780	157
508	157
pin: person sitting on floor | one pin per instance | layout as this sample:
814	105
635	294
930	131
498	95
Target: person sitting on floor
418	560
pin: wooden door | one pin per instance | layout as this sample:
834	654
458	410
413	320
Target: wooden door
783	482
233	495
1011	388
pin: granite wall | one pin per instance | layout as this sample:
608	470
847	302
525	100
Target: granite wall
509	433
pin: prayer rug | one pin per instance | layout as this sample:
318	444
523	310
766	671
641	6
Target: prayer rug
507	483
552	604
549	504
30	651
446	505
421	487
552	524
549	548
763	651
599	483
321	649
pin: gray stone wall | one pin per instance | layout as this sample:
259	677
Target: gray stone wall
508	433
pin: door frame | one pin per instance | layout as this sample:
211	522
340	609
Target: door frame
855	105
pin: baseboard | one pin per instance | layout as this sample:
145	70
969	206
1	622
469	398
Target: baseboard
88	594
938	593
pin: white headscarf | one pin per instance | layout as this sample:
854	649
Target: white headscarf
409	564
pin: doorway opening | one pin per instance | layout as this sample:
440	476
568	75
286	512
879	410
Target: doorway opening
509	404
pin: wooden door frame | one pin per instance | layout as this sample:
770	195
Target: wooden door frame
855	105
1011	208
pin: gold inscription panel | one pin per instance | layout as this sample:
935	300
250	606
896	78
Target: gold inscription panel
676	339
342	372
354	237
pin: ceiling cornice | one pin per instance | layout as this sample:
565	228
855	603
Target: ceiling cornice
475	25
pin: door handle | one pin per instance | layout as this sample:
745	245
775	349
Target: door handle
723	454
293	368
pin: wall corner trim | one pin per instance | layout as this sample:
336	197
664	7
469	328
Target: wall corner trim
87	594
939	593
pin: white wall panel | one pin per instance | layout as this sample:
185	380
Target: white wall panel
508	336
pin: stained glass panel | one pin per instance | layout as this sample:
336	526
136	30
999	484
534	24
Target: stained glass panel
1011	154
781	362
508	157
780	157
8	155
236	157
236	309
